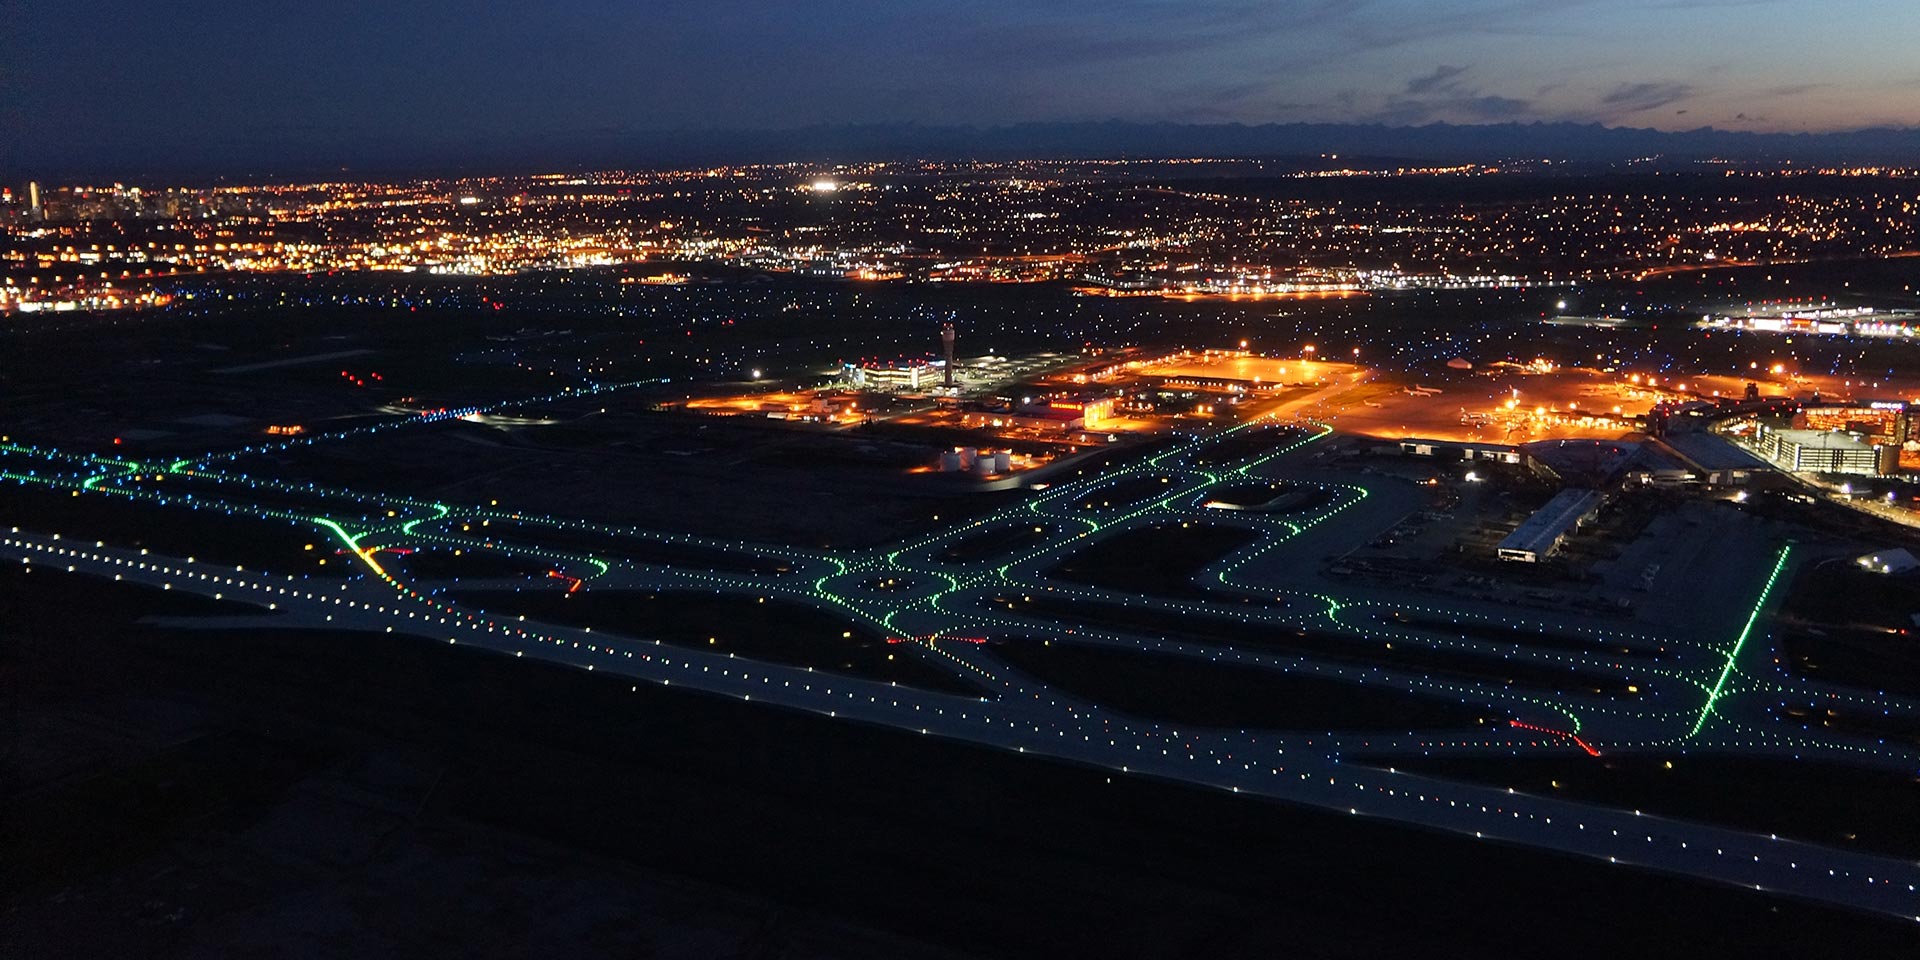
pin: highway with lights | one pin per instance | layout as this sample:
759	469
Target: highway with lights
1702	687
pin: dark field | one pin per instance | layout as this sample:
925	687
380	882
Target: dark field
997	541
1182	690
1874	660
1298	500
1158	560
1101	460
1132	491
1244	445
728	478
1248	495
1272	496
1839	593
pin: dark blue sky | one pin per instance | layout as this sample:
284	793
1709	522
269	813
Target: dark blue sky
110	79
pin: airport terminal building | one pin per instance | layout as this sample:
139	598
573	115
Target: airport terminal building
1541	534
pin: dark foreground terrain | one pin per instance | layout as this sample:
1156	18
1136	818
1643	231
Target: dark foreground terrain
204	793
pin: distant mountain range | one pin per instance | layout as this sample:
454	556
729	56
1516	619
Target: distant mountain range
1437	142
1434	142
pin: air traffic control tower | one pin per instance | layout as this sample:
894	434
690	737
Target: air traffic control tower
946	343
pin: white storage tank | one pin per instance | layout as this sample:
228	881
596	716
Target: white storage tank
949	460
1003	462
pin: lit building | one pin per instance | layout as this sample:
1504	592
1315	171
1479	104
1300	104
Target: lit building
1882	423
1094	412
905	376
1541	534
1453	450
1826	451
1832	320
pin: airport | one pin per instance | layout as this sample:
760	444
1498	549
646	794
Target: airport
1677	671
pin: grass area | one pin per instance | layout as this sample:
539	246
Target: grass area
758	628
1872	660
1840	593
1244	444
1099	461
388	460
1159	559
1272	497
1248	494
996	541
1129	492
1188	691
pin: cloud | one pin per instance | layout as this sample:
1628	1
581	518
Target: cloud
1442	95
1471	108
1442	78
1495	108
1226	102
1635	97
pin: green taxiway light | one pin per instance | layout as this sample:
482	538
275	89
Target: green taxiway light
1759	603
353	543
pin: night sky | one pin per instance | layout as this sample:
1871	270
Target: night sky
101	79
